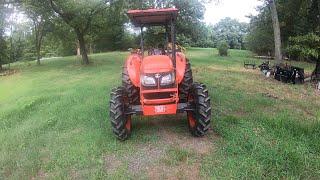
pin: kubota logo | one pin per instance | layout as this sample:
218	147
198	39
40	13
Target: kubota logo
157	76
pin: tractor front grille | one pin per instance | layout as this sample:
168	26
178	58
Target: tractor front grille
159	95
159	87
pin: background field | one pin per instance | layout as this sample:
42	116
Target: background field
54	124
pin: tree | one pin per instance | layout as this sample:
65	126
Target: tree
3	43
20	41
3	52
189	20
307	46
231	31
60	40
40	14
79	15
109	31
313	17
276	30
260	37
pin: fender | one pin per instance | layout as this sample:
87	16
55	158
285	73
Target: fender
133	64
181	66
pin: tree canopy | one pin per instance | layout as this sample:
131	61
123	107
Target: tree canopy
60	27
296	17
65	27
231	31
3	46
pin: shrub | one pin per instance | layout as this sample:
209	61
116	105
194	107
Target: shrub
223	48
29	56
307	46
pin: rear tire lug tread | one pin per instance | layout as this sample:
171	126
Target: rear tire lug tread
186	83
132	92
203	111
118	118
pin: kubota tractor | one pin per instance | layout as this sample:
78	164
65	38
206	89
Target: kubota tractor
160	83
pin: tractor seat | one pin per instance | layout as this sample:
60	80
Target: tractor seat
156	51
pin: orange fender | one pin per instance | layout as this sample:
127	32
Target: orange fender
181	66
133	64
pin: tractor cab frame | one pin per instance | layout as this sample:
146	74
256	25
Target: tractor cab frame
157	17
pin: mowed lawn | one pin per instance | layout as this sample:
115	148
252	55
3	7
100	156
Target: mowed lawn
54	124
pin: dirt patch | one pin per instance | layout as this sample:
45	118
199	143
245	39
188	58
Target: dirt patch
270	95
40	175
185	140
183	171
111	163
145	158
44	155
149	159
200	146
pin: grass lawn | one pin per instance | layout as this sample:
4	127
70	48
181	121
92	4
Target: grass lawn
54	124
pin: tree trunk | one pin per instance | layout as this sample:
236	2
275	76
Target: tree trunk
277	32
38	55
83	48
39	43
90	49
78	48
39	28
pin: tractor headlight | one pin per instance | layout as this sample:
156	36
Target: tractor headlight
167	79
148	81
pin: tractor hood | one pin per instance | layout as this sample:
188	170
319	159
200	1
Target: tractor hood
156	64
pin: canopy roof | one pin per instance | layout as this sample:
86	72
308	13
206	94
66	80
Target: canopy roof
152	17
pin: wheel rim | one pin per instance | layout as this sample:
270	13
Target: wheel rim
128	123
191	119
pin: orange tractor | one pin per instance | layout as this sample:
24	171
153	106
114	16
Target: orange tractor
160	83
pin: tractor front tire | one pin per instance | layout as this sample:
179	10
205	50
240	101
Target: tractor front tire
199	119
120	122
133	92
186	84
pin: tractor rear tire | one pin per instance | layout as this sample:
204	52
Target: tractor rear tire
132	92
186	83
120	122
199	119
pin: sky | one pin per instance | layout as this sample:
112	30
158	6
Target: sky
236	9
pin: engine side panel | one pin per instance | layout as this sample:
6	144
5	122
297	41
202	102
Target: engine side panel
133	64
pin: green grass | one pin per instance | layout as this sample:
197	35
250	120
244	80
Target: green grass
54	124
